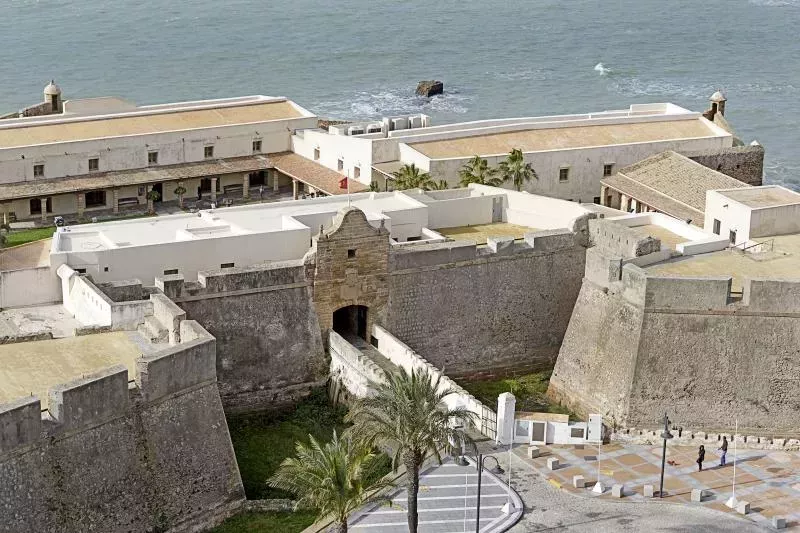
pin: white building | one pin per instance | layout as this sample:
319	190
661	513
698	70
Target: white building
570	153
103	153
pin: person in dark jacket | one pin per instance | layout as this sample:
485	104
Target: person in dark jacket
724	449
701	456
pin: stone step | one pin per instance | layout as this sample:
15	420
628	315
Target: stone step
153	330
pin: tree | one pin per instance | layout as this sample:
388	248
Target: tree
408	414
477	170
334	479
516	170
437	185
152	196
411	177
179	191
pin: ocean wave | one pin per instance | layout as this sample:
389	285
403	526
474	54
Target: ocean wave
775	3
602	69
365	105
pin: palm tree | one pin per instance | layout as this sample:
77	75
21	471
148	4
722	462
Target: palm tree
516	170
436	185
479	171
408	414
334	479
179	191
411	177
152	196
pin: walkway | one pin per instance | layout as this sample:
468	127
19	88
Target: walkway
447	500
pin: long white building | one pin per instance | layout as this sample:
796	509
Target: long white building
570	153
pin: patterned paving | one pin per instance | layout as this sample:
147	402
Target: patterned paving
769	480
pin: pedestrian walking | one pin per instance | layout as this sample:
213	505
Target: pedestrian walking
701	456
724	449
260	192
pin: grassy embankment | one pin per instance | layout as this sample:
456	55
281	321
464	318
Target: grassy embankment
262	442
529	389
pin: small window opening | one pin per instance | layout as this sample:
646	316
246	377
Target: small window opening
38	171
351	253
170	271
608	169
80	270
257	146
316	154
94	164
152	158
340	165
563	175
227	265
208	152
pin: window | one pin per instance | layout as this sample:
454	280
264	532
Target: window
732	237
608	169
80	270
227	265
257	146
38	171
152	158
356	173
94	164
105	269
340	165
716	226
36	206
316	154
576	433
208	152
170	271
96	199
597	199
563	174
351	253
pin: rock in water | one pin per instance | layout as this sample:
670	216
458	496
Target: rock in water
430	88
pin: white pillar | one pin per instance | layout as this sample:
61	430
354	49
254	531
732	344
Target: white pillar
214	189
603	194
246	186
294	189
506	403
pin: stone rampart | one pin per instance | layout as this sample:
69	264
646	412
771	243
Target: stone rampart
618	240
269	344
353	369
470	309
745	163
772	295
110	456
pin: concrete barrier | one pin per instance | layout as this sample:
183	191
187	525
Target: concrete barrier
617	491
578	482
647	491
552	463
533	452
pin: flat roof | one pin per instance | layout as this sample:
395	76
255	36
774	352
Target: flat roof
783	261
142	121
563	138
479	233
31	368
766	196
669	239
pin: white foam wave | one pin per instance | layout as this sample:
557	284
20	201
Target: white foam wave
602	69
775	3
366	105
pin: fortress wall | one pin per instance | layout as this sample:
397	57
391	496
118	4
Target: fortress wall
709	368
269	345
687	293
619	240
110	459
745	163
774	295
595	366
483	311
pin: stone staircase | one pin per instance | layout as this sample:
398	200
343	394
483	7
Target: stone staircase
153	330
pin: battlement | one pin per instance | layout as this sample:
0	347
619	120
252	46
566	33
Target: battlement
772	295
91	399
20	423
684	293
233	279
620	240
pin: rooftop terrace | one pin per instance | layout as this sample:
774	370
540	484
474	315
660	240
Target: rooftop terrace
767	196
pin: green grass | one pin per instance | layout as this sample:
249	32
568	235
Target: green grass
267	522
529	389
262	441
15	238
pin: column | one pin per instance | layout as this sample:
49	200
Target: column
43	202
294	189
214	189
273	173
81	201
634	205
246	186
150	206
603	194
115	200
623	202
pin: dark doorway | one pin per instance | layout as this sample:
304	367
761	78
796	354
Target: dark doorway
351	320
159	188
258	178
205	185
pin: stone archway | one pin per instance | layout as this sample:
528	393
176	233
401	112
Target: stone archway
351	320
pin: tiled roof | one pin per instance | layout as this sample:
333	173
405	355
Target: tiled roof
654	199
312	173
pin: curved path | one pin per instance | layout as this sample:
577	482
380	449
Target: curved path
550	509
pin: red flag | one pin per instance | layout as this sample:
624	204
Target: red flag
343	183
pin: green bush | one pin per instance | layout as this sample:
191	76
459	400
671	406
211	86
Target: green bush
267	522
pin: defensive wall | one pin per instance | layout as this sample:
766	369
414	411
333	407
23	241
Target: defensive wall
470	309
118	455
639	344
745	163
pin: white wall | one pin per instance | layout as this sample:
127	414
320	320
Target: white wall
732	215
536	211
778	220
32	286
356	152
461	212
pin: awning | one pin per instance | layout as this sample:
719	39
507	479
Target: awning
142	176
313	174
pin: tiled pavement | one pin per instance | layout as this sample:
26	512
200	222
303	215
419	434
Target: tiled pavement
447	499
769	480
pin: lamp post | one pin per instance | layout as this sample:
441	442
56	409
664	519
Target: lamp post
666	435
496	470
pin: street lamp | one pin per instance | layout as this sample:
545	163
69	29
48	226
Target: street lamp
497	470
666	435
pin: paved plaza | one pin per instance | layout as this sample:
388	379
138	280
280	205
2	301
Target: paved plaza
447	498
768	480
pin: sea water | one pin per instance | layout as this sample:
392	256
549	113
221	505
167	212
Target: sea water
359	59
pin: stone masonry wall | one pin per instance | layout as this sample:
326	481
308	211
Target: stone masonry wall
157	457
745	163
480	310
